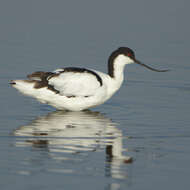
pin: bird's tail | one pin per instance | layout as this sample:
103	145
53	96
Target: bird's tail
26	87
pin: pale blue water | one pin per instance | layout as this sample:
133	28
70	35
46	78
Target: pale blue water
147	120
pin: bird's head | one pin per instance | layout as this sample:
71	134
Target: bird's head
125	55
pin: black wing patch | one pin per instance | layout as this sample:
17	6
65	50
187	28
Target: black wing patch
40	79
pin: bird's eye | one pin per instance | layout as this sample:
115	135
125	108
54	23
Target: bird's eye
129	54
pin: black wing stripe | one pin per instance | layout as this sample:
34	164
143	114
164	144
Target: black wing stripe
45	76
43	82
82	70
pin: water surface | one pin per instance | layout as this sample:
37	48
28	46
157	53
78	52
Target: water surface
139	139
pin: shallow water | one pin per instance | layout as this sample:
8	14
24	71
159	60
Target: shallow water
139	139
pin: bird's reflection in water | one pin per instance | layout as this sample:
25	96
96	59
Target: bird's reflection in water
73	136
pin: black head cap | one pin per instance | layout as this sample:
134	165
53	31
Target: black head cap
120	51
126	51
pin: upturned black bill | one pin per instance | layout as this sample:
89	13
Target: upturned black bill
148	67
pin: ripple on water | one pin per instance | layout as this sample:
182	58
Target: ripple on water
73	143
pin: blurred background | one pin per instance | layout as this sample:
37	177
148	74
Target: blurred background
150	113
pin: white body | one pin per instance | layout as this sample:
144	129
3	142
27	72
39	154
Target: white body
84	87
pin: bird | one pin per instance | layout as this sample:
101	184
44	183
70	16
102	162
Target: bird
75	88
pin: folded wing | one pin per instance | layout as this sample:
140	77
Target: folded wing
75	82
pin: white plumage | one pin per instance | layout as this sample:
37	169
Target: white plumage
77	89
75	84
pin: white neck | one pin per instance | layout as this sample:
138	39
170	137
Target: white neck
118	67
